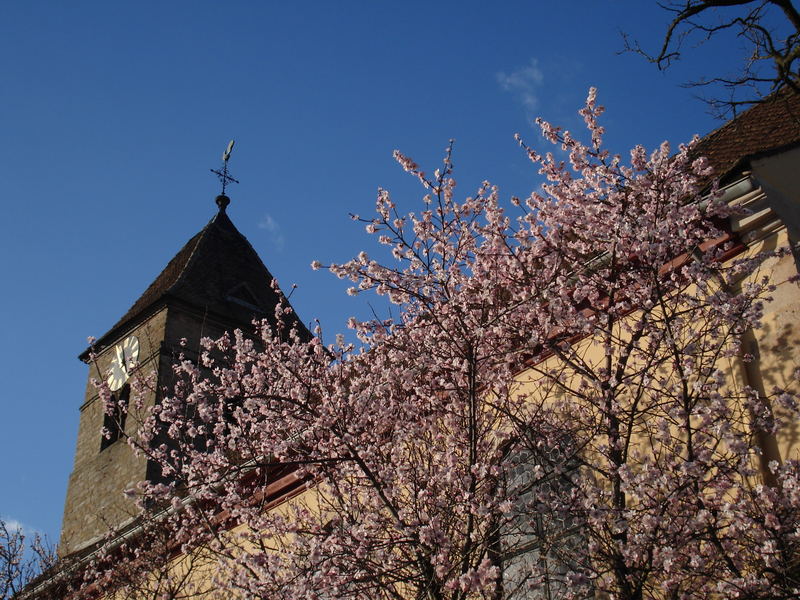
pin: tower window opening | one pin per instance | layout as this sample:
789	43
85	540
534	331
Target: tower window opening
114	417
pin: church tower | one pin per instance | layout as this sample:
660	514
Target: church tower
215	283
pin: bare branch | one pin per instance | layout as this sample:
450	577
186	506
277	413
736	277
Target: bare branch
770	62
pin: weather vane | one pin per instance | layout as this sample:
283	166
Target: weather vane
223	173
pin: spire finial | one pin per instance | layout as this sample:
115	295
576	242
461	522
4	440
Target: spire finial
223	200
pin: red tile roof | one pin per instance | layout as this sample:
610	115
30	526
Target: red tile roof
771	125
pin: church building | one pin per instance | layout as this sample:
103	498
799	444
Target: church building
217	283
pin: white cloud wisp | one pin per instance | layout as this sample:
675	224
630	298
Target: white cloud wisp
523	83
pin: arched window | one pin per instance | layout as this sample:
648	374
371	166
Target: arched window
542	542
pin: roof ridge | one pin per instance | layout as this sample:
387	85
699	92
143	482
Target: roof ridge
252	249
192	255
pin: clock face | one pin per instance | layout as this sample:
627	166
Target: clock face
126	355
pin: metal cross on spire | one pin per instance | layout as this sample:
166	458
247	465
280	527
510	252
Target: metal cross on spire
223	175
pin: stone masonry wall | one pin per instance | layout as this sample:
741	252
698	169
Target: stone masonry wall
95	499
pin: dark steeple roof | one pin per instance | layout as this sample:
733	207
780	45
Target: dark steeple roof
217	272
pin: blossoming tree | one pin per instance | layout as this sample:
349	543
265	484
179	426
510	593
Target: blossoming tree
549	415
23	558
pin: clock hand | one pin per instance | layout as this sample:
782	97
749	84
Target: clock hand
121	361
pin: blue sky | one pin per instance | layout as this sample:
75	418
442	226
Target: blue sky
113	113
